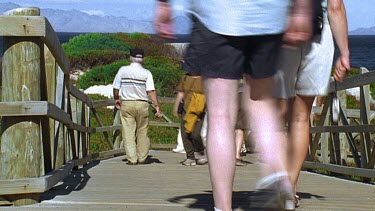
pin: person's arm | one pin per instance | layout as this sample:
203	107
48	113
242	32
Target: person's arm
180	97
339	28
117	98
299	28
154	100
163	23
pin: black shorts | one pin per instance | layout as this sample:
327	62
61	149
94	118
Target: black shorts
219	56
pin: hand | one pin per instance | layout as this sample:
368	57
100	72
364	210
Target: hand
342	66
118	104
162	22
158	112
299	30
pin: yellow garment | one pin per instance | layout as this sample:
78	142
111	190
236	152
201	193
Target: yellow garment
188	85
194	110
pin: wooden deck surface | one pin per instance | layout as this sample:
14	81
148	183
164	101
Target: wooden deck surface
167	185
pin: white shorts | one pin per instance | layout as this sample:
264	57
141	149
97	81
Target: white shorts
305	70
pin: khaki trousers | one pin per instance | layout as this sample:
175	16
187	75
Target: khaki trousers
134	119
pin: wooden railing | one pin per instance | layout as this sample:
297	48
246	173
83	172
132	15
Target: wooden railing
337	141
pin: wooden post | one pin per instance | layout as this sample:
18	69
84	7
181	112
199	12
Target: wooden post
364	119
324	151
60	135
21	140
51	69
344	146
116	133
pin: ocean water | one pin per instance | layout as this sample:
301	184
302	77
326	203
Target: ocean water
362	47
362	51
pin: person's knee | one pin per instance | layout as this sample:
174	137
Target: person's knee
261	89
301	117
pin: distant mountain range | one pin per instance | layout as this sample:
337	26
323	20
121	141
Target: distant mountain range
363	31
77	21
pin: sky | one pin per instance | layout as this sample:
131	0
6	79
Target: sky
360	13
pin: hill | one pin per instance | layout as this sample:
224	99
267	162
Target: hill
363	31
77	21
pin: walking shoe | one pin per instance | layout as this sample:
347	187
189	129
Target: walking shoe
189	162
271	182
131	163
178	150
289	203
240	162
279	184
296	200
202	161
146	161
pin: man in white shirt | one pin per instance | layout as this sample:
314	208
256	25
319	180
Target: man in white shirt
132	88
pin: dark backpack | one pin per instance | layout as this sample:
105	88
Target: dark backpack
317	17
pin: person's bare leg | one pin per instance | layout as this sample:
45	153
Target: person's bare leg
299	134
266	125
221	95
239	138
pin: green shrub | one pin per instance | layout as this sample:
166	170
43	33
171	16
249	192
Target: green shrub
101	75
91	58
94	41
152	45
166	73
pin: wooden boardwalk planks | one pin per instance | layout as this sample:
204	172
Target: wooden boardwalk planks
166	185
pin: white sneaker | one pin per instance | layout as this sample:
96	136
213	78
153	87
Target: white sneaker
179	150
202	161
189	162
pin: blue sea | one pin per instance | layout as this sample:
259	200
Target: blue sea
362	47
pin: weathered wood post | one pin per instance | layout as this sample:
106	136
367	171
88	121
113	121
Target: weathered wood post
344	146
51	74
364	119
21	139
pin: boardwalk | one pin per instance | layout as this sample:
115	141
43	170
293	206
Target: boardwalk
166	185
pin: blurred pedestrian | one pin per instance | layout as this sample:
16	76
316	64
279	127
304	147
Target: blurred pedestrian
229	39
190	93
304	73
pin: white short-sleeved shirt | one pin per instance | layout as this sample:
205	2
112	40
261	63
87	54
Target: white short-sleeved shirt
242	17
133	81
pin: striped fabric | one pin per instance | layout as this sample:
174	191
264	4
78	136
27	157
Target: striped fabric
134	81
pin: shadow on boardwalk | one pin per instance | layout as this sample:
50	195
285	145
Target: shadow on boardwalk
165	185
242	200
76	181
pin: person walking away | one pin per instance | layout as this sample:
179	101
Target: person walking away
132	88
190	92
303	74
230	38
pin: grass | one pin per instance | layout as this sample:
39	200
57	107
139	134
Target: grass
157	135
